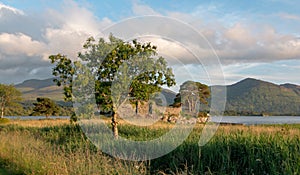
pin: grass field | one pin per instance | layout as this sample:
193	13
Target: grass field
57	147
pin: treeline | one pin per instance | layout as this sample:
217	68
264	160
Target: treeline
26	108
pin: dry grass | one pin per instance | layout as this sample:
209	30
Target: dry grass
222	129
40	123
29	151
259	130
144	122
22	152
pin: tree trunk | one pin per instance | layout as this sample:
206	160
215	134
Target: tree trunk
2	112
190	106
150	108
114	125
136	107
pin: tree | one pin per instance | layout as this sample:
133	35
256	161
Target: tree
9	97
177	101
191	94
45	106
147	83
121	70
63	71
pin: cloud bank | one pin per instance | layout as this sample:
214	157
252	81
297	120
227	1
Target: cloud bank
26	40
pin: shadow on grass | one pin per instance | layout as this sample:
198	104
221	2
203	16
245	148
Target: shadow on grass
4	170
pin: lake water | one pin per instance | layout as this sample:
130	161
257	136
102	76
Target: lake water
256	120
246	120
35	117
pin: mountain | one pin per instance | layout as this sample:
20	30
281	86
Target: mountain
247	97
169	95
256	97
295	88
36	84
31	89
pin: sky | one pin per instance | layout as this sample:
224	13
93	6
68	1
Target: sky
214	42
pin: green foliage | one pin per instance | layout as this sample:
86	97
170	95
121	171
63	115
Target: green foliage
45	106
73	118
63	71
234	153
130	67
9	97
192	94
242	150
26	109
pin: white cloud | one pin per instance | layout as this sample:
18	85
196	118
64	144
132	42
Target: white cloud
24	49
4	8
266	46
76	24
239	43
141	9
239	37
18	44
26	41
65	42
172	50
232	37
73	17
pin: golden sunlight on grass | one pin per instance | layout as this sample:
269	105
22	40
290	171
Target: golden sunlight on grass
39	123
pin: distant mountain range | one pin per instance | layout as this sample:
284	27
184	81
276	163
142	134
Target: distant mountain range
31	89
247	97
256	97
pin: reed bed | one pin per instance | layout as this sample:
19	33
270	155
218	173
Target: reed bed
57	147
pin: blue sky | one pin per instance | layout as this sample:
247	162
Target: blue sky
259	39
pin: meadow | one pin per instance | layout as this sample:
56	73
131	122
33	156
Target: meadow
58	147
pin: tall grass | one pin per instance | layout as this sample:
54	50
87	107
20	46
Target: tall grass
64	149
56	150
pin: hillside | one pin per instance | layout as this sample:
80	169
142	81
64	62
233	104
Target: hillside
251	96
169	95
247	97
31	89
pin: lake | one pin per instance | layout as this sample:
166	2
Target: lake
35	117
246	120
256	120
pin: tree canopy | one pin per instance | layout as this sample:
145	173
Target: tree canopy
9	97
131	67
192	94
45	106
121	70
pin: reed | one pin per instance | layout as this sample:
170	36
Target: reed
52	147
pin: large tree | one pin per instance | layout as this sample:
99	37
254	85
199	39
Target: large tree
45	106
192	94
9	97
121	70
